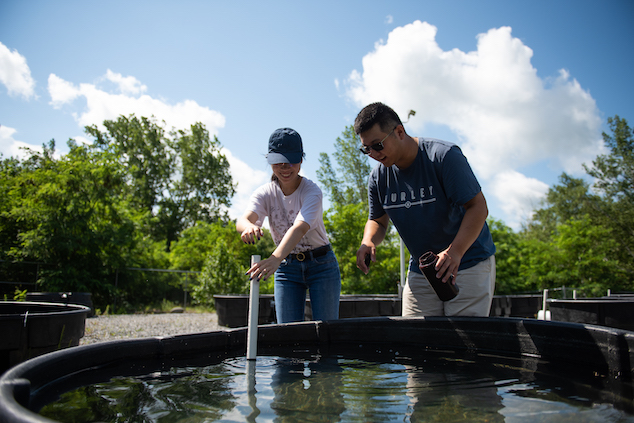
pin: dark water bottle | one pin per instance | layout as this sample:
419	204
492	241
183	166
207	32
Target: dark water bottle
427	264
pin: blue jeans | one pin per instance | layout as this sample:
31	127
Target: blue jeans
320	276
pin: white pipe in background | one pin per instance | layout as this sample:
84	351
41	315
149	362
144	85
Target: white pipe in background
544	314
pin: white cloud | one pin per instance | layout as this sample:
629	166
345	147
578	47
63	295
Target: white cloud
126	84
505	116
61	91
10	147
389	19
80	139
102	104
15	73
248	180
521	196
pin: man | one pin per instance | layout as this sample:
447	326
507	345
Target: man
429	192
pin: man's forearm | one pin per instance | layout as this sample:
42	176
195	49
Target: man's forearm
472	223
374	233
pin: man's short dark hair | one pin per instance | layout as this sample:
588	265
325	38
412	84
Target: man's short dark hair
375	113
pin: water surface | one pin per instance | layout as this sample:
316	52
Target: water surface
434	388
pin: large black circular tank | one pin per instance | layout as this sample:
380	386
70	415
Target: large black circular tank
606	353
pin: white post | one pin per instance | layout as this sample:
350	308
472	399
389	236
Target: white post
254	306
544	314
402	285
251	384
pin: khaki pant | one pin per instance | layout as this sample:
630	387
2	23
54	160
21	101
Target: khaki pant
475	284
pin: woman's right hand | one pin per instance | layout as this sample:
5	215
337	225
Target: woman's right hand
265	268
251	233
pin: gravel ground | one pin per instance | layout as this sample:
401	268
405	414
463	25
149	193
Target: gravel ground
110	328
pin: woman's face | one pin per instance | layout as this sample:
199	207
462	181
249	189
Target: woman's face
286	172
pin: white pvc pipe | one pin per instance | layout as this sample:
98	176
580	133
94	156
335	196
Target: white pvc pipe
254	306
544	314
402	260
251	383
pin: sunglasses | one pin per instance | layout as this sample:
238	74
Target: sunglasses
367	149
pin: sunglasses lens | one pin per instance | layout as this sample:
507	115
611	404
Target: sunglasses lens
367	149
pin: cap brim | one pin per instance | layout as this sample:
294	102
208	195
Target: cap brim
275	158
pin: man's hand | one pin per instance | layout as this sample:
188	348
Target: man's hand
447	266
365	254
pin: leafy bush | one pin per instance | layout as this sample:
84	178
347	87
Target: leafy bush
222	274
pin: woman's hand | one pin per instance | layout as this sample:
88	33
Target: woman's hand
264	268
251	233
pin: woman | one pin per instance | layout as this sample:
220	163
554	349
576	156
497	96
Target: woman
303	259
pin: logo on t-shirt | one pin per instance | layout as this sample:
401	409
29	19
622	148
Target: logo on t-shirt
407	199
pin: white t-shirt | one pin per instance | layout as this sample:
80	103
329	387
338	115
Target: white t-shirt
304	204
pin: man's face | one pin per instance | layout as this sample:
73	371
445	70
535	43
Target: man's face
384	142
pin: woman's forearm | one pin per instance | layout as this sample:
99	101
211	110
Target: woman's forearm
291	239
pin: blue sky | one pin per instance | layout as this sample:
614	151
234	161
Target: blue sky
524	87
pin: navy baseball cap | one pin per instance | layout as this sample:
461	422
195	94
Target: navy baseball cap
285	146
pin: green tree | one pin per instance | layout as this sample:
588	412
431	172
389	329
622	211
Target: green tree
203	246
225	273
583	239
564	201
507	244
579	255
71	213
178	179
222	274
10	171
99	213
205	188
348	182
587	257
190	252
346	187
142	147
345	224
614	172
614	180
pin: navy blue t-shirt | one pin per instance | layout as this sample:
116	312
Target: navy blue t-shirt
424	201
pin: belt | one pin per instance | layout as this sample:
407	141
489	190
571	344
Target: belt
311	254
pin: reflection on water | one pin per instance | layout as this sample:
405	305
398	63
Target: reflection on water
343	389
